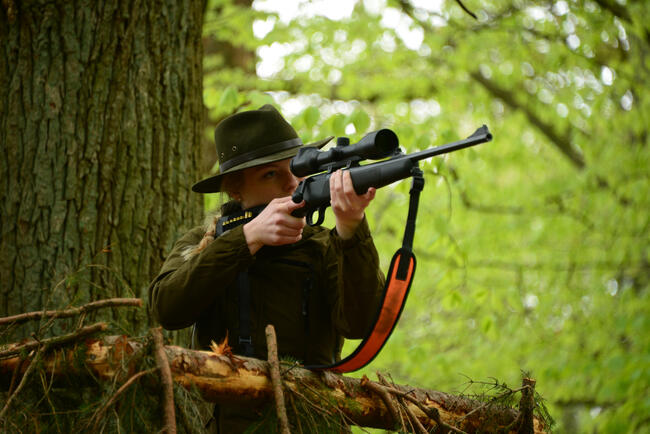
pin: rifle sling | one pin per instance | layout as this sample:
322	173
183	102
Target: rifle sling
400	276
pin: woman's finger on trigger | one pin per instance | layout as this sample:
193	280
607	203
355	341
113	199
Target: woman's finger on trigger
370	194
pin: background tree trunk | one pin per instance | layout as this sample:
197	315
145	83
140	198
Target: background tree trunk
100	129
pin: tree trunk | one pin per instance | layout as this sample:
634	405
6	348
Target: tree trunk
229	379
100	130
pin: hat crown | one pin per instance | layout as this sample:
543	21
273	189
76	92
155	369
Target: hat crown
250	131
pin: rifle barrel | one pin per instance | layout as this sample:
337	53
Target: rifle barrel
481	135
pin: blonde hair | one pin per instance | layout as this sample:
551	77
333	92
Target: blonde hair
230	184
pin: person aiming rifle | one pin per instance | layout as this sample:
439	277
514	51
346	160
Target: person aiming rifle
258	262
255	264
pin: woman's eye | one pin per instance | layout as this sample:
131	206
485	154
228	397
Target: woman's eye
269	174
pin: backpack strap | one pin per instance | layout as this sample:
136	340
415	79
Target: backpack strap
244	341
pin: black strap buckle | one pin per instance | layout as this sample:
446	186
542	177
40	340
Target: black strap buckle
417	185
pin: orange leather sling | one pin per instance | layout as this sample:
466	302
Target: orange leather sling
400	275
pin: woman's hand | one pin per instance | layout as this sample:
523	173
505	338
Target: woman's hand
348	206
274	226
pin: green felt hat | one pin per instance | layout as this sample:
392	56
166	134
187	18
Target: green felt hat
249	139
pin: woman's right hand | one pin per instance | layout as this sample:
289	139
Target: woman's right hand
275	226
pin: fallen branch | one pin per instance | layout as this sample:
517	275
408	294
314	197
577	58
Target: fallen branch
219	380
29	316
167	381
51	342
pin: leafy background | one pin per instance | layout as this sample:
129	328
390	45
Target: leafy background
532	249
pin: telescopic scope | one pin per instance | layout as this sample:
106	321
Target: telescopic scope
373	146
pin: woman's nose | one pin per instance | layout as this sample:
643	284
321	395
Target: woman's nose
292	182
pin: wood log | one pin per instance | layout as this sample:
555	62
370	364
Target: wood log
231	379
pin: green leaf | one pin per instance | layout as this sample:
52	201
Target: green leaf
228	101
339	122
360	120
311	116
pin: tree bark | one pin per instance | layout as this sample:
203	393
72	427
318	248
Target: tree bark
100	130
229	379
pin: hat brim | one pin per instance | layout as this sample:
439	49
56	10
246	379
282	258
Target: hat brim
213	183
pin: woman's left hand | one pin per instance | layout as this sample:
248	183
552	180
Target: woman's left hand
348	206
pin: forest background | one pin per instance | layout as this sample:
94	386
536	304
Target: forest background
532	249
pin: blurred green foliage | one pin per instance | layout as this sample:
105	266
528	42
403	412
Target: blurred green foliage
532	249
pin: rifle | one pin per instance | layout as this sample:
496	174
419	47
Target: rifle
315	189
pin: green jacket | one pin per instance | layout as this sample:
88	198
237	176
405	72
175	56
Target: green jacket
315	292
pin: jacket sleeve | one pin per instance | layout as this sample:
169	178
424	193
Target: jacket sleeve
356	282
185	288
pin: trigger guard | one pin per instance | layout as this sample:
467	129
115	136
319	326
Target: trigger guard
321	216
319	220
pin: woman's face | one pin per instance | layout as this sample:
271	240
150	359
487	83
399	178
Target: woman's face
264	183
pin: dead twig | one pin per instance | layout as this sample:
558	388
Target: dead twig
167	382
431	412
276	380
527	406
14	375
524	423
383	381
56	340
111	302
490	402
416	425
100	413
383	394
23	381
466	10
345	418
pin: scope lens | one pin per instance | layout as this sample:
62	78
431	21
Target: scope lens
386	140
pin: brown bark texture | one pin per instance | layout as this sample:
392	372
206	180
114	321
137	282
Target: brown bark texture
229	379
100	130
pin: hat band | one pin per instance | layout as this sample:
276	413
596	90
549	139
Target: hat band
260	152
